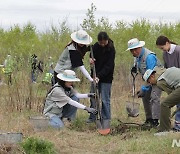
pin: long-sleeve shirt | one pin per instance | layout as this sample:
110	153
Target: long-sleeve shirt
58	97
104	61
172	58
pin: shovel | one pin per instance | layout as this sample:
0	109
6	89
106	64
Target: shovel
103	126
132	107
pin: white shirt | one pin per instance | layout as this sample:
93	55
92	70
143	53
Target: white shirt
172	48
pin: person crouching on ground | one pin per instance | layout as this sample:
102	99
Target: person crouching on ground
167	80
59	101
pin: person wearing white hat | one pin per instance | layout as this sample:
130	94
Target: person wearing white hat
59	101
146	59
167	80
72	56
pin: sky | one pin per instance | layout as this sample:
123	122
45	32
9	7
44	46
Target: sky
44	13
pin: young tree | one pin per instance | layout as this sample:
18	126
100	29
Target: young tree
89	22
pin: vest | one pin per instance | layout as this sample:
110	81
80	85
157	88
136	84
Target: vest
50	106
172	77
142	63
64	62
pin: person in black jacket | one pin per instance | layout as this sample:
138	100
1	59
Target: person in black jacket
104	56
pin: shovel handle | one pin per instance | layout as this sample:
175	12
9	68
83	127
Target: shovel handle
95	86
134	75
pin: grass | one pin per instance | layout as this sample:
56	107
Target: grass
80	137
87	140
23	99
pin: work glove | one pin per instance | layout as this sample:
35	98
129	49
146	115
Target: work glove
140	93
96	80
92	95
134	69
91	61
91	110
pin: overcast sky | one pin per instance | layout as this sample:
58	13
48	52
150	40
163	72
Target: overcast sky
43	13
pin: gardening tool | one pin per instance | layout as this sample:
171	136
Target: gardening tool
132	107
102	125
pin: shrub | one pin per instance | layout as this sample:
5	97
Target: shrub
37	146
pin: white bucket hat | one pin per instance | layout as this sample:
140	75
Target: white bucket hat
135	43
147	74
68	75
81	37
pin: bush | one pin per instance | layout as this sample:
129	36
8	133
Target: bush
37	146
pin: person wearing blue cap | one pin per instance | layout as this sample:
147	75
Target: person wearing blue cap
146	59
167	80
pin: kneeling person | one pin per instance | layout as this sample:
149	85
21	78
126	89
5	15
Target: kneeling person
62	100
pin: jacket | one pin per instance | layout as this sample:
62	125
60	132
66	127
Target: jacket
104	62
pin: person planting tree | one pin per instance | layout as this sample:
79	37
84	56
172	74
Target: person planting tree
61	100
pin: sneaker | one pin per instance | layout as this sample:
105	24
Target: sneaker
152	123
90	120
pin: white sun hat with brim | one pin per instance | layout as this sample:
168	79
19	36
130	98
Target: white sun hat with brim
68	75
81	37
147	74
135	43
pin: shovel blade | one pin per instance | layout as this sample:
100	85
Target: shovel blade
104	131
103	126
132	109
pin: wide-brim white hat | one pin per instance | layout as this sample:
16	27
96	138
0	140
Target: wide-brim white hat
68	75
81	37
135	43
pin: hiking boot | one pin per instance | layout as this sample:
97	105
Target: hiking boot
148	123
152	123
155	123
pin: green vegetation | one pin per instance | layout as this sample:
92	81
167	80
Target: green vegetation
22	42
23	99
37	146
